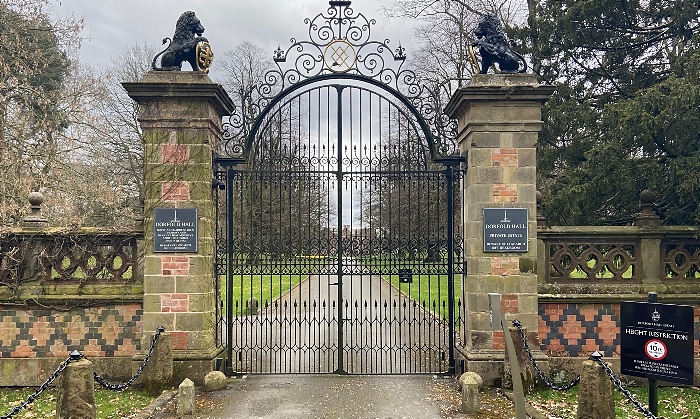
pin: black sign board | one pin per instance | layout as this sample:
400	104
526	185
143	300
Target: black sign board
405	276
505	230
657	341
175	230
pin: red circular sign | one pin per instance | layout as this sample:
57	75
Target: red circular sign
655	349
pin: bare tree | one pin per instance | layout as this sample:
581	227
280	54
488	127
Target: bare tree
442	61
113	138
280	207
244	67
35	51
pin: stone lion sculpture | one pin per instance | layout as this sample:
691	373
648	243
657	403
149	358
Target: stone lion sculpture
493	47
187	44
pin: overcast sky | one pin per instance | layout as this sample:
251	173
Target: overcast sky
112	25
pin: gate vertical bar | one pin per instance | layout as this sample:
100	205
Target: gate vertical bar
339	180
229	271
449	172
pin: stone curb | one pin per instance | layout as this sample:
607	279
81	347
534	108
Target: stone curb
160	402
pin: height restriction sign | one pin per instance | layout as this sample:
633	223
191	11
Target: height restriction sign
657	341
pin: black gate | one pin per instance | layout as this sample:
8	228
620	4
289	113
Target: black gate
339	247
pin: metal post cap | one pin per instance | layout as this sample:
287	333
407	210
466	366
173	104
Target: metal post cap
160	329
75	355
595	356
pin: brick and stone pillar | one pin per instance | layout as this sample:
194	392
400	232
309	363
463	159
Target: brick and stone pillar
180	115
499	117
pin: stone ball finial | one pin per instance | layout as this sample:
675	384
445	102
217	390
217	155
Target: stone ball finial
35	199
647	197
34	219
647	217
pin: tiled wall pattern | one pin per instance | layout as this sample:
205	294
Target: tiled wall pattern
581	329
107	331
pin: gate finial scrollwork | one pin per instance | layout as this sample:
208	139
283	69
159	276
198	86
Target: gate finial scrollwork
339	45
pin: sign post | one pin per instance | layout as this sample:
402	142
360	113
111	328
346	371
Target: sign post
657	343
653	384
498	322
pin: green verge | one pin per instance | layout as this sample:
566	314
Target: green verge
267	287
674	402
109	404
429	290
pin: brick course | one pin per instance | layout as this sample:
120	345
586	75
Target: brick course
176	153
108	331
505	265
175	265
179	340
504	192
509	303
504	157
175	303
175	192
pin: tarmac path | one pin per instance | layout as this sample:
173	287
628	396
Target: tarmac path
334	396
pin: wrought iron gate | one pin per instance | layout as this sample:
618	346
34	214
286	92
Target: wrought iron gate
340	244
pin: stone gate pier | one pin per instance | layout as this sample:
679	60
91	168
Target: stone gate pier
499	118
180	115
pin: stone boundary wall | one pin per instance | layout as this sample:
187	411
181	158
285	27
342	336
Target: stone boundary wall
578	307
104	331
65	290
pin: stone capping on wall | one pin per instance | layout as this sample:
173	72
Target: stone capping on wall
73	266
650	263
498	87
156	84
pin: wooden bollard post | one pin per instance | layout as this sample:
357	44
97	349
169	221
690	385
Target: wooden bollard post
76	390
595	391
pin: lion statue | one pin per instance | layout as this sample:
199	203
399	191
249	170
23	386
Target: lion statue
493	47
187	44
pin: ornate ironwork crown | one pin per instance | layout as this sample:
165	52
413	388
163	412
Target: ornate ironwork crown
340	45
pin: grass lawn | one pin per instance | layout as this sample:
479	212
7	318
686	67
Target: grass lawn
110	404
264	288
267	287
430	289
674	402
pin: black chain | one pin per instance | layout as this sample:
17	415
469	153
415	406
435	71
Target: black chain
119	387
566	387
74	356
616	381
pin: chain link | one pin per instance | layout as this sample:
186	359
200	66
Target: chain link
118	387
566	387
616	381
73	357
